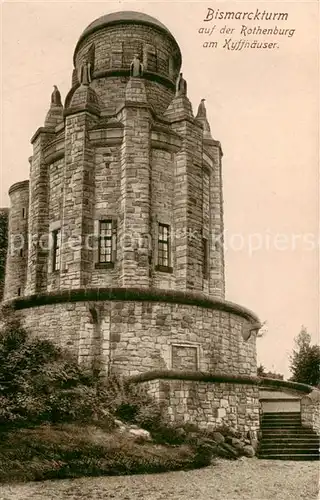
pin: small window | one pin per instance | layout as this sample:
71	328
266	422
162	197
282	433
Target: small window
19	292
164	245
205	258
21	252
56	237
107	241
24	213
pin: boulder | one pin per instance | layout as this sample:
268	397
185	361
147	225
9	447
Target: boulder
226	451
192	438
140	433
248	451
118	423
210	443
233	452
218	437
233	433
239	447
232	440
254	444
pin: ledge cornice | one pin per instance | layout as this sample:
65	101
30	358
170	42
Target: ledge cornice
133	294
41	130
220	378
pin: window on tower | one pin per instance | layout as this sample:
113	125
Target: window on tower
107	241
205	258
56	238
164	248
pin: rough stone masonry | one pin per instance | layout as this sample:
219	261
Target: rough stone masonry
114	241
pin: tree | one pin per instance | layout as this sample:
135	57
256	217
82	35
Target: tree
305	360
261	371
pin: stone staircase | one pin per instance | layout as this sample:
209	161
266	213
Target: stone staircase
284	438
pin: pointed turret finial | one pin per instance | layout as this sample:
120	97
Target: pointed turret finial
181	86
202	112
85	98
56	97
136	67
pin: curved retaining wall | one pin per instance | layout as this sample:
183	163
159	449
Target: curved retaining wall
130	331
213	399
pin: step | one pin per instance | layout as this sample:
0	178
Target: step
290	442
281	427
288	449
283	417
277	413
289	457
291	414
272	420
280	424
290	430
280	421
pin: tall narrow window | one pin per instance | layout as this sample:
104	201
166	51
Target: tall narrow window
205	258
164	245
56	237
107	241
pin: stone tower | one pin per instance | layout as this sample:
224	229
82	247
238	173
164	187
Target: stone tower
115	249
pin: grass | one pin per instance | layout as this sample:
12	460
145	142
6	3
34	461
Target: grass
70	450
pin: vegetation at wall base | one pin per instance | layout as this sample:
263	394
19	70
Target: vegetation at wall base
59	420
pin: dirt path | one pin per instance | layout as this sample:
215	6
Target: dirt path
250	479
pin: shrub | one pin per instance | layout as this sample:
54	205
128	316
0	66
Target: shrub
41	382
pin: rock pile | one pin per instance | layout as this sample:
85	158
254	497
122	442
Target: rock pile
228	443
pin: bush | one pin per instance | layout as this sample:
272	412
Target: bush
41	382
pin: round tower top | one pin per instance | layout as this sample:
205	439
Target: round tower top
123	17
128	16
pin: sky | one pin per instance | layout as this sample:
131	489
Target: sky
262	104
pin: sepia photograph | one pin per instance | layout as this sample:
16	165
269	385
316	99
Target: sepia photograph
159	250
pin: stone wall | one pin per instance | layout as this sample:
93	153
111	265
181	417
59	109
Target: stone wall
310	410
137	336
16	262
208	404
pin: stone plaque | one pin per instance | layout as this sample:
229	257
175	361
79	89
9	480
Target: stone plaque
184	357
